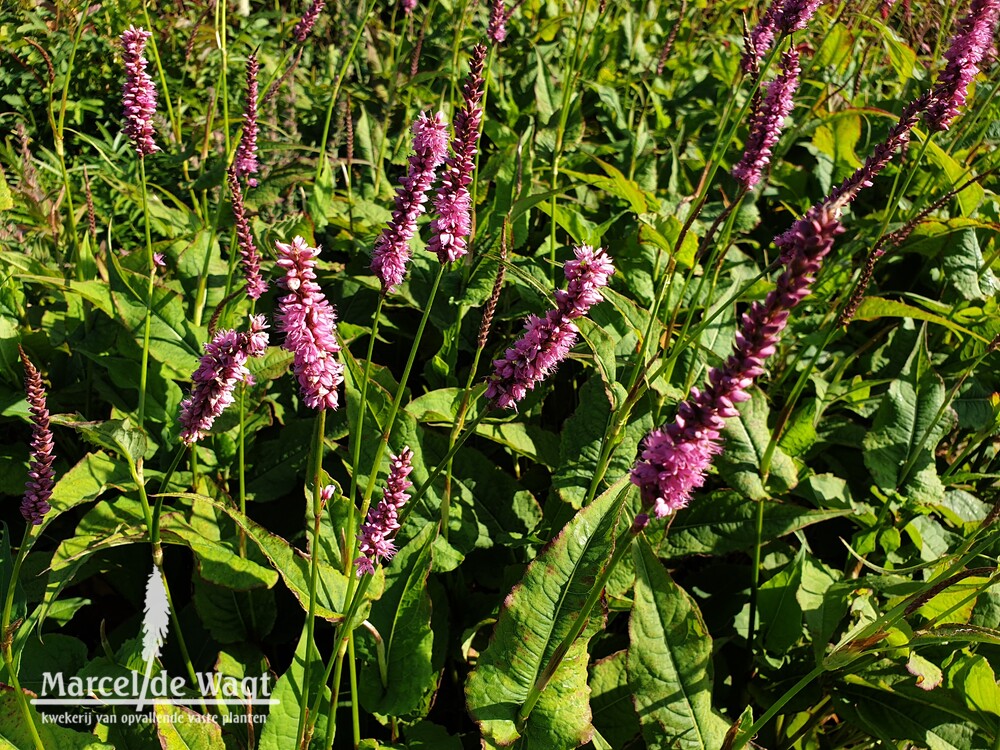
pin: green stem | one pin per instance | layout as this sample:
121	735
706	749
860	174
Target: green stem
317	508
7	636
348	59
241	459
359	427
143	374
755	573
775	707
352	672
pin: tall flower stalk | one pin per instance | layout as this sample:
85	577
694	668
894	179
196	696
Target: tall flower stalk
546	341
675	458
767	120
245	163
249	256
139	106
392	248
453	204
309	323
969	47
38	489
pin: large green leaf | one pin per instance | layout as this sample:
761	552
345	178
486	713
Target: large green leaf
670	662
747	437
281	729
402	617
724	522
899	447
537	615
15	734
780	611
611	700
180	728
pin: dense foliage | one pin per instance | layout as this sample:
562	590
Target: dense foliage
338	399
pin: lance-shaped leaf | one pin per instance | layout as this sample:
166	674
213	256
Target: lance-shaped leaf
536	616
402	618
670	662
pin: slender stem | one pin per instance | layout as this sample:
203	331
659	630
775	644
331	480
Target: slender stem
348	59
7	637
317	508
241	458
775	707
755	573
360	425
149	296
352	671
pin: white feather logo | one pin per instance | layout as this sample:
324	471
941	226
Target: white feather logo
155	622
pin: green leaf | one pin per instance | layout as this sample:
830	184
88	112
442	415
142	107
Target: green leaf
402	617
873	308
536	616
611	700
235	616
965	269
293	566
15	734
281	729
116	435
747	437
86	481
670	662
957	173
724	522
180	728
780	611
899	448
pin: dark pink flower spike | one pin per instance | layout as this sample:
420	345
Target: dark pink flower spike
969	47
380	526
392	248
309	323
453	204
497	30
546	341
138	93
781	17
38	488
675	458
767	120
305	25
222	368
245	161
249	256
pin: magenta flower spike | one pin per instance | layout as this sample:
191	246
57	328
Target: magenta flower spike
38	488
382	522
767	120
453	204
222	368
245	161
249	256
408	6
969	47
781	17
546	341
309	323
138	93
675	458
392	248
305	25
496	32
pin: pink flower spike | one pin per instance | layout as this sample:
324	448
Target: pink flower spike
249	256
969	47
675	458
245	161
382	522
453	204
546	341
222	368
138	93
767	120
305	25
496	32
38	488
392	248
309	323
